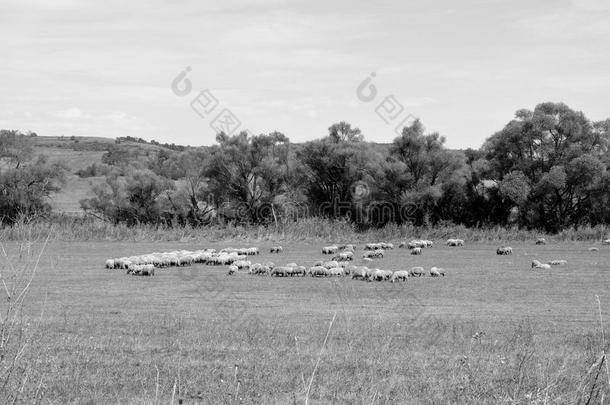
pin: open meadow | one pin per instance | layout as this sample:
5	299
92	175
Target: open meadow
491	331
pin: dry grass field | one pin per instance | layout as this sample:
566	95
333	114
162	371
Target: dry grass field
492	331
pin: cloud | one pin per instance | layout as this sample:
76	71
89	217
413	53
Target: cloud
592	5
70	113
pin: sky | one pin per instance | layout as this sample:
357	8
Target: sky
106	68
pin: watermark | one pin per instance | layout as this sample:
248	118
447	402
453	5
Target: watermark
389	110
206	105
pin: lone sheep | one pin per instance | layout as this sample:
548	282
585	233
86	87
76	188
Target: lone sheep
505	250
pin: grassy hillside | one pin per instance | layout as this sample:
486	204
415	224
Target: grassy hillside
76	153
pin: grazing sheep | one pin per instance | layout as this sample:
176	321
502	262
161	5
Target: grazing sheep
330	250
359	273
232	270
299	271
416	271
416	251
336	272
380	275
110	264
400	275
373	246
505	250
276	249
593	249
242	264
386	246
606	242
437	272
537	265
318	271
344	256
541	241
455	242
348	247
558	262
280	271
331	264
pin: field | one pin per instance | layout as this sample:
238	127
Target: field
491	331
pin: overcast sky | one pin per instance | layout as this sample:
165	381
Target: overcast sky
104	68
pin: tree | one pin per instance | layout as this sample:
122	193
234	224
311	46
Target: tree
561	155
343	132
132	199
247	174
26	188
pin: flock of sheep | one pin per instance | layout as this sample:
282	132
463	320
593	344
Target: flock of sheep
340	264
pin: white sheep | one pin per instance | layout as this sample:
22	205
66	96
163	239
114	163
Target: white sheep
330	250
437	272
276	249
558	262
504	250
400	275
541	241
110	264
416	251
416	271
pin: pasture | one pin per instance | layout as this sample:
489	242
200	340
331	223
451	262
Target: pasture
491	331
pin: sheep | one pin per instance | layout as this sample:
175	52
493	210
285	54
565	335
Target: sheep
232	270
558	262
381	275
369	273
318	271
437	272
386	246
541	241
544	266
606	242
505	250
416	271
455	242
242	264
292	265
593	249
400	275
348	247
372	246
359	273
535	263
344	256
416	251
110	264
331	264
428	243
255	268
280	271
276	249
299	271
336	272
330	250
377	253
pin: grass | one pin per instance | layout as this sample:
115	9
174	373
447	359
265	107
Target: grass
492	331
79	228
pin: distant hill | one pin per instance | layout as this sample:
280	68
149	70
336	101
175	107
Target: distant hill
77	153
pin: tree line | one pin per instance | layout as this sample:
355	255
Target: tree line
546	169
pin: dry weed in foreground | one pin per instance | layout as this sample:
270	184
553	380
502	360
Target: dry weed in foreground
19	378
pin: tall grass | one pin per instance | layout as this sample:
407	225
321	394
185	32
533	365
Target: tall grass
20	355
70	228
